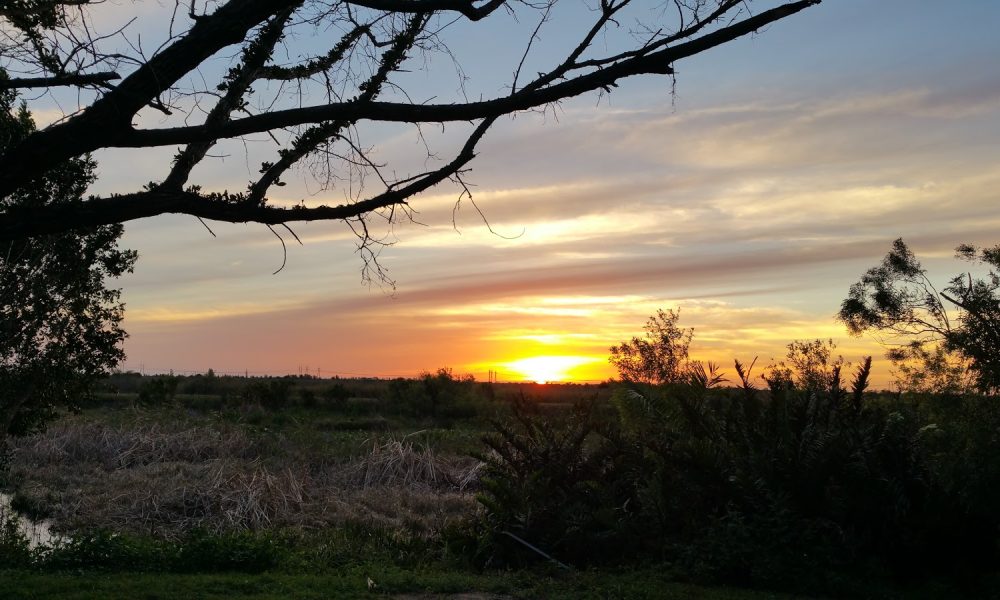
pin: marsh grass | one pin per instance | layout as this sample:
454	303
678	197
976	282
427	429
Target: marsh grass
402	462
168	479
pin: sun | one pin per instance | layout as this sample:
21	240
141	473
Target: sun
547	369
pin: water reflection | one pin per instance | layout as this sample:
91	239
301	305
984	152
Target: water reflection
39	533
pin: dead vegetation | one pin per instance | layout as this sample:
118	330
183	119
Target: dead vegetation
399	462
167	480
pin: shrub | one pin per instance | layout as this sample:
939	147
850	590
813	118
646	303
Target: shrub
198	552
438	395
272	394
106	551
307	397
240	551
336	394
15	550
553	482
785	487
158	390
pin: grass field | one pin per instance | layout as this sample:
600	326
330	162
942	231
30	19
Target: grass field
353	583
331	489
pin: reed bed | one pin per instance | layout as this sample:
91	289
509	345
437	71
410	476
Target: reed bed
400	462
167	480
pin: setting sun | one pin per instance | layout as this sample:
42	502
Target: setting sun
545	369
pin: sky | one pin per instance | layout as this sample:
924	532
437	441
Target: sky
749	195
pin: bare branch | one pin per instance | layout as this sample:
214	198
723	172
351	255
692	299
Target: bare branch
18	223
467	7
59	80
375	38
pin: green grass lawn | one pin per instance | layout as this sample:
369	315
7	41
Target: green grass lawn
353	583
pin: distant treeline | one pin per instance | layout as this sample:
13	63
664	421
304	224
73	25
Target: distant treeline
437	397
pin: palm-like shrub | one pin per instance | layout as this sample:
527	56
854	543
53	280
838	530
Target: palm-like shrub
555	484
779	486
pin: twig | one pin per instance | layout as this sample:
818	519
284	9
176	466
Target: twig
536	549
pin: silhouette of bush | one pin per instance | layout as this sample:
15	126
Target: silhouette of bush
336	395
783	487
271	394
207	384
15	550
239	551
438	395
106	551
307	397
158	390
197	552
558	483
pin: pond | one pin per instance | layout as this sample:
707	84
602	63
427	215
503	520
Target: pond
39	533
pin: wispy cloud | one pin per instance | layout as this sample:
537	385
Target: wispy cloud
753	217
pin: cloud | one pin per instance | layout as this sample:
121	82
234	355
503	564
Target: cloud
753	218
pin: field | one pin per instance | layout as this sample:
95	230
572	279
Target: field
299	487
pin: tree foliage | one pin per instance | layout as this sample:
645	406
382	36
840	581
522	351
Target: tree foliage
59	323
660	357
810	366
302	79
933	348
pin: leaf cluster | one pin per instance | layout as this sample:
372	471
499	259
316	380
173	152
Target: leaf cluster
59	322
898	299
660	357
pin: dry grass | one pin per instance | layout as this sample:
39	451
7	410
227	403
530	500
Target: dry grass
167	480
126	447
398	462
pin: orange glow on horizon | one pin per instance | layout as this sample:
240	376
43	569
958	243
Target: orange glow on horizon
550	369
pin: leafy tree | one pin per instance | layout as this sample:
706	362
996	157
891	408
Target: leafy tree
59	323
660	357
312	75
933	349
810	366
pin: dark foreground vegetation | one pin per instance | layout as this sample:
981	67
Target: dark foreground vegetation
300	487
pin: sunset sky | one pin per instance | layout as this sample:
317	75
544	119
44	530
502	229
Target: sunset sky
782	166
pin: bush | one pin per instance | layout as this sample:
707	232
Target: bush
15	551
440	395
781	488
106	551
30	506
272	394
336	395
555	483
158	390
243	551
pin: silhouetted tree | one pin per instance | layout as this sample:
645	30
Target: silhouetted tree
276	78
660	357
897	298
810	366
59	323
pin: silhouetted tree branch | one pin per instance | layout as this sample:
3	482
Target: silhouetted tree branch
78	79
354	77
896	298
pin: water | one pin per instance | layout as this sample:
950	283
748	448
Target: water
39	533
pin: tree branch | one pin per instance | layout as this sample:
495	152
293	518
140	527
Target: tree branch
59	80
108	121
315	136
22	222
656	63
465	7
